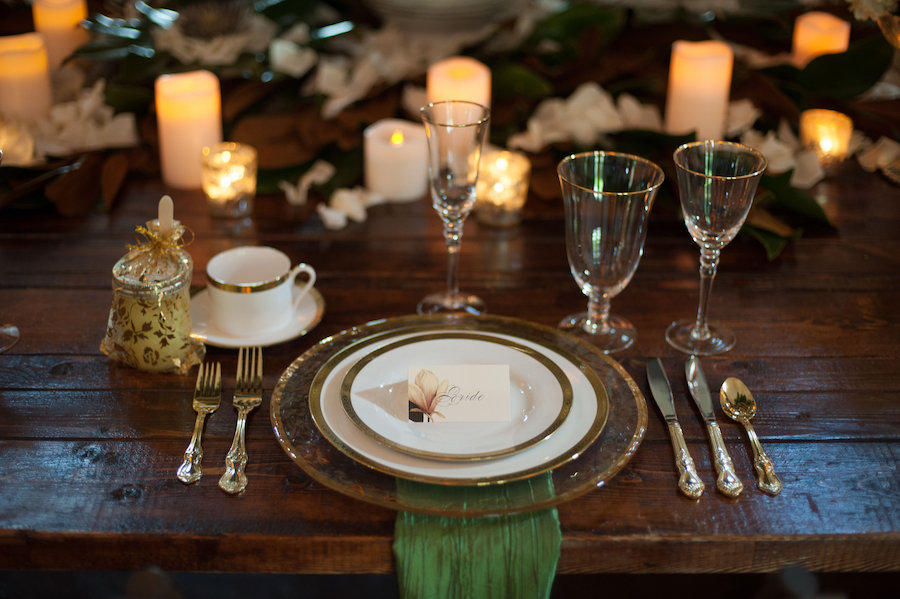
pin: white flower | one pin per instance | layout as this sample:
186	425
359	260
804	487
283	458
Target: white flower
426	391
741	116
319	173
876	156
220	50
783	153
872	9
290	58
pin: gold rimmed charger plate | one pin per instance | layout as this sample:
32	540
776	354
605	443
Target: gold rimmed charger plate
304	443
540	397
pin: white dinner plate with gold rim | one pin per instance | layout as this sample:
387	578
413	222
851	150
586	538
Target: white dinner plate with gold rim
374	393
585	421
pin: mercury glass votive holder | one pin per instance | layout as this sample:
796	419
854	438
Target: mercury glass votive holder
502	188
827	133
229	179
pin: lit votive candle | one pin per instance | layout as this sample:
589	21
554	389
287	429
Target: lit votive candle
24	77
459	78
817	33
189	117
229	179
502	187
396	159
59	22
699	87
827	133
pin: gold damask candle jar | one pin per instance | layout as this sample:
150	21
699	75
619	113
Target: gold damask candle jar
150	319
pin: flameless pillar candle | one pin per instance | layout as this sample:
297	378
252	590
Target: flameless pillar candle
189	117
459	78
396	159
59	23
699	86
817	33
24	77
827	133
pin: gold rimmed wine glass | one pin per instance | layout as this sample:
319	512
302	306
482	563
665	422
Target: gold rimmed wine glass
716	184
607	197
455	131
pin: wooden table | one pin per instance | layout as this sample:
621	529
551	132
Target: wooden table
89	447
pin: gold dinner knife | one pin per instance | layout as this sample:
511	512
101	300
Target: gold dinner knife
727	482
689	482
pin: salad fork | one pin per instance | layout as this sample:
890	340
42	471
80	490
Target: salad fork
207	394
247	396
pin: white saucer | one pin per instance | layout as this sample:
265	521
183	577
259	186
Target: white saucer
307	315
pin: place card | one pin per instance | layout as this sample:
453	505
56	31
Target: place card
459	393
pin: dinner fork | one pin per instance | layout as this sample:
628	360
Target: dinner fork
247	395
207	392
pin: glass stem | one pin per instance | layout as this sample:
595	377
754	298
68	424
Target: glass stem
709	261
598	314
453	238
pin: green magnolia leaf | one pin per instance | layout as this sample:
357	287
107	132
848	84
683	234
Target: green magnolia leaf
348	172
773	244
647	143
850	73
513	80
128	98
790	199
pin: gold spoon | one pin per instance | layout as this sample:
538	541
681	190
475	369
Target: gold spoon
738	404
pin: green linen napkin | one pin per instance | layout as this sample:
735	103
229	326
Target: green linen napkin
509	556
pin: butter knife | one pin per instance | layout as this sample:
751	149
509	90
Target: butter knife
688	481
727	482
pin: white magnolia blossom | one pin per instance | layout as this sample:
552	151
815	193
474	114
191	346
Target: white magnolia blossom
347	204
220	50
878	155
318	174
784	152
872	9
388	56
291	58
81	125
590	112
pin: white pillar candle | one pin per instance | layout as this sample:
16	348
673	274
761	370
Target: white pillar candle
827	133
189	118
59	23
24	77
817	33
699	86
459	78
396	159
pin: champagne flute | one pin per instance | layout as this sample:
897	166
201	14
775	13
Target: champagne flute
607	196
9	333
455	132
716	184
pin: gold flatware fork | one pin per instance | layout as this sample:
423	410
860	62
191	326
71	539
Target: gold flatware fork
247	395
207	394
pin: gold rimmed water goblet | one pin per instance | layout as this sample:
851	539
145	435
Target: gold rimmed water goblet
455	131
716	184
607	198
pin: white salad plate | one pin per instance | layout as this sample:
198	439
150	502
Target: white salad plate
375	396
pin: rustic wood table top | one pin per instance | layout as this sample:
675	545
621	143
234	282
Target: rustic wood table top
89	447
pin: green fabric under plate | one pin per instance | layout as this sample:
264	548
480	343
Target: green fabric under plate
439	557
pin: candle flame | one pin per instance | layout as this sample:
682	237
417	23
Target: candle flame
397	138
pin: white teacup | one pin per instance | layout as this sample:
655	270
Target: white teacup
251	289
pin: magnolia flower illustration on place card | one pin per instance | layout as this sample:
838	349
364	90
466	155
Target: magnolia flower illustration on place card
425	392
